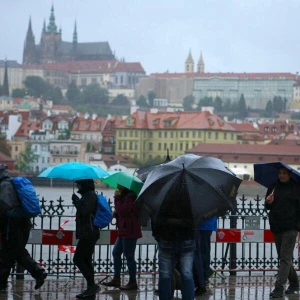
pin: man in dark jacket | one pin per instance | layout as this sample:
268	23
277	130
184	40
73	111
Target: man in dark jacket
86	233
174	230
14	230
283	203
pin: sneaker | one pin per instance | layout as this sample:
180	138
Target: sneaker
40	277
89	292
277	293
292	289
131	285
200	291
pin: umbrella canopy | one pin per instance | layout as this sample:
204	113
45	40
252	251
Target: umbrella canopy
74	171
127	180
144	172
209	185
266	174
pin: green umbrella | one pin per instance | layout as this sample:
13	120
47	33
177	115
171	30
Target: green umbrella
127	180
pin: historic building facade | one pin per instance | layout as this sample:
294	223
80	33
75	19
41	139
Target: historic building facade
53	49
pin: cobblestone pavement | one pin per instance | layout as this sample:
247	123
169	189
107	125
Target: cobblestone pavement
229	287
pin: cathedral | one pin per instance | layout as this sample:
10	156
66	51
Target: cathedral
53	49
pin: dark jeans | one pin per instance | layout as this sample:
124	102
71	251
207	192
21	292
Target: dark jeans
198	264
205	247
12	250
126	246
171	252
285	245
83	259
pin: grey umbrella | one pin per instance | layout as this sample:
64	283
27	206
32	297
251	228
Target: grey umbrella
207	183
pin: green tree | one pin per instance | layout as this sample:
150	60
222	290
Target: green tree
121	100
284	103
142	101
74	94
151	96
4	146
54	94
25	159
18	93
206	101
227	105
242	108
93	94
218	104
278	104
188	102
36	86
269	109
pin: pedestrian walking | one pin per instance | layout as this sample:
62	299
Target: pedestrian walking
283	203
15	226
86	233
129	231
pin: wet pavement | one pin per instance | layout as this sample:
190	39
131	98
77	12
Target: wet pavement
227	287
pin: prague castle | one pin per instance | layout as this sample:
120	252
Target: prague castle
53	49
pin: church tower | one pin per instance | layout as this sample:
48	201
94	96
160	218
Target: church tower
189	63
74	43
29	51
50	41
200	65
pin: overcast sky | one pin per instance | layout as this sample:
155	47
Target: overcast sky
233	35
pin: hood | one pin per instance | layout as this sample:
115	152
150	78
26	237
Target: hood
4	173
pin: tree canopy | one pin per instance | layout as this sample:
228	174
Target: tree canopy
25	159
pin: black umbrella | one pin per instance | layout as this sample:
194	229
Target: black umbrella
143	172
209	185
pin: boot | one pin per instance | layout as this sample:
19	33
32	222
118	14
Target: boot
39	275
131	285
115	282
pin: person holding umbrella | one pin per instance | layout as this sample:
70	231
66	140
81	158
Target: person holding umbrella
86	233
283	203
129	231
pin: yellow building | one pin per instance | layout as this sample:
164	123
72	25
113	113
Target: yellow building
148	135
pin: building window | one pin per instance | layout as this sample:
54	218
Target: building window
209	134
216	135
166	134
159	146
225	135
150	146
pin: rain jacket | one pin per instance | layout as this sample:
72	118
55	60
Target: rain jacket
8	201
285	209
127	216
86	209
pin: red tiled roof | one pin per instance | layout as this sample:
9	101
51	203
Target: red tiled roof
181	120
244	127
129	67
227	75
26	127
205	149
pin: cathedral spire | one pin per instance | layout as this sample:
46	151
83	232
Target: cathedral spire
44	26
29	52
189	63
75	37
52	26
5	80
200	65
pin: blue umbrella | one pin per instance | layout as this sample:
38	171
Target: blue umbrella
266	174
74	171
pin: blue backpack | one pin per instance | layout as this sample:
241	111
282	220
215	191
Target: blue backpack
29	200
103	214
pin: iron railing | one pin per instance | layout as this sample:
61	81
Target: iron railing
225	257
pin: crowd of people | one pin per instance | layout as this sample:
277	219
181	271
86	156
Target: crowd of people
181	247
